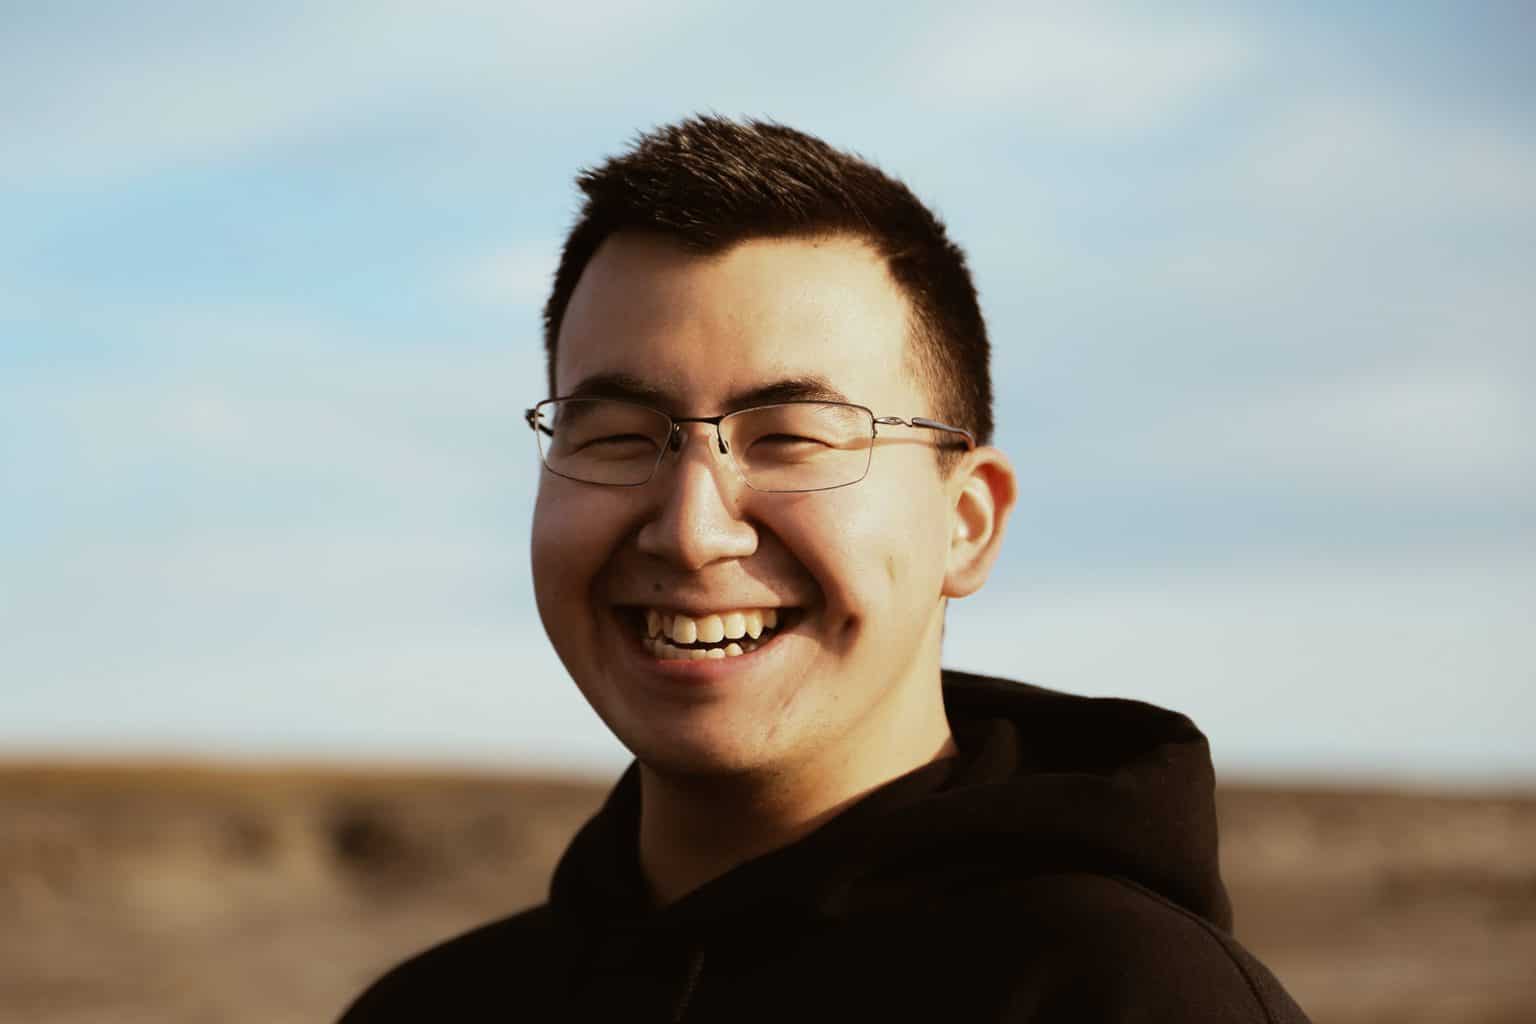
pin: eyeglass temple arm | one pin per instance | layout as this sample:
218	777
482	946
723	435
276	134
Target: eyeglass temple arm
924	422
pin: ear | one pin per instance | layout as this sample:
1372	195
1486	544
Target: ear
984	490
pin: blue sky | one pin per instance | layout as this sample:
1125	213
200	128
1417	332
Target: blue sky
1259	284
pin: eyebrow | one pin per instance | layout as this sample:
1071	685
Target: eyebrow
804	388
619	385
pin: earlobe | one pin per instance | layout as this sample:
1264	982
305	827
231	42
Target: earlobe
984	498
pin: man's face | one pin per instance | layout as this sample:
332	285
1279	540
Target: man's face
855	575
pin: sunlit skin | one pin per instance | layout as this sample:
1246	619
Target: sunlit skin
740	756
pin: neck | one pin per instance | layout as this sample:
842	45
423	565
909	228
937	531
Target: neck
695	828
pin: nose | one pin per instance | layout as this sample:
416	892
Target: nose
698	517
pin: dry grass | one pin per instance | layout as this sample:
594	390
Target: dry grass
181	893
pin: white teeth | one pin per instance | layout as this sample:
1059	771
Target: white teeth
684	630
666	652
711	629
668	632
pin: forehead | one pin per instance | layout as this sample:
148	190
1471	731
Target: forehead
699	329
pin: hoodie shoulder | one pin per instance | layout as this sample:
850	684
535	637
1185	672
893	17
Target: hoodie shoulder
1122	952
469	972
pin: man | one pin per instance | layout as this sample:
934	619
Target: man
765	474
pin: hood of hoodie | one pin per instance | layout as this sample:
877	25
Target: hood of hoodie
1043	782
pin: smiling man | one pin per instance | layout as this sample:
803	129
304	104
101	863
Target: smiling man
765	473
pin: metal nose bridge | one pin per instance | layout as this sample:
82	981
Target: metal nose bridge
675	439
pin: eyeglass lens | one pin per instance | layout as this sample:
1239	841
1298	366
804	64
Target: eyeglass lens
795	446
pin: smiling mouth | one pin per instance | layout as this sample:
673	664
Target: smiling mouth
675	636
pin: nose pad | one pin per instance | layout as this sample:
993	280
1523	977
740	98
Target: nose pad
675	440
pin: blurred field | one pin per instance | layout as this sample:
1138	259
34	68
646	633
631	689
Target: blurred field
177	893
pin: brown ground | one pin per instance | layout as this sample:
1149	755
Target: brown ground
173	894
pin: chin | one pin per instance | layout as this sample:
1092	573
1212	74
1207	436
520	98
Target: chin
694	752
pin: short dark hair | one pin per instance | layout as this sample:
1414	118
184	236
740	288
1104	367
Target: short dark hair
709	183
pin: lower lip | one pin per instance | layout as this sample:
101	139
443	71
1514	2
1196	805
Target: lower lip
701	671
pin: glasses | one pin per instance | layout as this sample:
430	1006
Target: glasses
788	446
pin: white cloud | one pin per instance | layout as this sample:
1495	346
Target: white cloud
1420	670
358	636
518	275
454	692
1076	68
252	533
1355	154
171	84
283	404
1418	428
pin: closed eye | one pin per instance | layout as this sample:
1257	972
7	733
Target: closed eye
788	448
613	441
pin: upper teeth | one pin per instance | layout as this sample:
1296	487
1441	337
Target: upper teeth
710	629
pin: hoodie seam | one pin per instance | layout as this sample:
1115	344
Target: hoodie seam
1216	935
695	969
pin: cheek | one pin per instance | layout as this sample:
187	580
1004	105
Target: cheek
571	538
868	551
905	539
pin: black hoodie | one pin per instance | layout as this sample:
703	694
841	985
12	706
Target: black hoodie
1061	867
